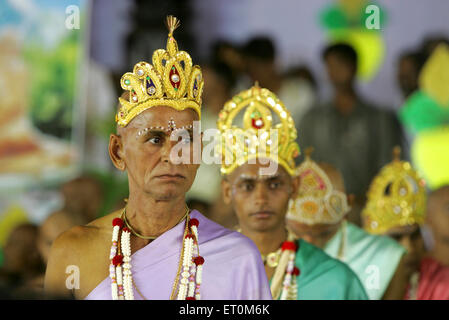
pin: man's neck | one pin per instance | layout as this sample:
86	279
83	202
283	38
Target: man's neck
345	100
267	241
272	82
150	217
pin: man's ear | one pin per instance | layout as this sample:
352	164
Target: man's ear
226	191
295	185
351	199
116	151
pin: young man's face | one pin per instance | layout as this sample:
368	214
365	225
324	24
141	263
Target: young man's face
317	234
145	152
341	73
259	201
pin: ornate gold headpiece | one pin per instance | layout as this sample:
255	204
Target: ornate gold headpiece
170	81
256	137
396	197
317	202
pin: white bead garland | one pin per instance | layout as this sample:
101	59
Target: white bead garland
120	269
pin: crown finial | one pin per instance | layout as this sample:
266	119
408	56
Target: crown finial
397	153
308	152
172	24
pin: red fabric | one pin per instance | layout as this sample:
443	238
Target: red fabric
433	281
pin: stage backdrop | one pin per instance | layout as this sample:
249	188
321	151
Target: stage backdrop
42	47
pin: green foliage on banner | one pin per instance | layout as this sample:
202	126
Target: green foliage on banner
52	84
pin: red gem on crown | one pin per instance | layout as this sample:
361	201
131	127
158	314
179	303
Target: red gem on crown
257	123
117	260
125	229
190	298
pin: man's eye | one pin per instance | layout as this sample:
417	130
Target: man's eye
275	185
247	186
155	140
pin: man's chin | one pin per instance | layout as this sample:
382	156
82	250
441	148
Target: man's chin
263	225
167	192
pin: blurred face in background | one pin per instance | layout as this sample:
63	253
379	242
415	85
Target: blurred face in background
84	197
52	227
437	219
21	255
260	70
259	201
410	238
215	92
408	74
340	71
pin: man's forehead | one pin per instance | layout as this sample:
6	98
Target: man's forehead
252	171
162	116
403	230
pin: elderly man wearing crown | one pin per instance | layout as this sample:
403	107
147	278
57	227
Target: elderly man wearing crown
317	214
258	171
160	249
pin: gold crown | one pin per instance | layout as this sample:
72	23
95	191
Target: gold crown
257	138
317	202
396	197
170	81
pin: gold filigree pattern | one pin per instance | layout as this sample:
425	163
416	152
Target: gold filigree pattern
317	202
258	137
396	197
171	81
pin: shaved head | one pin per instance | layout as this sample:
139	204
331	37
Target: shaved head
335	176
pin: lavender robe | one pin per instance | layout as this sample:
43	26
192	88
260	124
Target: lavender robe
233	268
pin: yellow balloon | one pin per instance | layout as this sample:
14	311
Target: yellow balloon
430	154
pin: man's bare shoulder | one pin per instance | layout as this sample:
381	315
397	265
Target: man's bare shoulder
85	247
87	236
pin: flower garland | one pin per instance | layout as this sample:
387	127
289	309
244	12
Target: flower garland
284	282
286	272
290	287
120	267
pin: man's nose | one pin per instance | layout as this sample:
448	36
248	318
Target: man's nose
166	150
261	193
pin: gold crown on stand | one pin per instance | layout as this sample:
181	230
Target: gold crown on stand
317	202
396	197
258	137
171	81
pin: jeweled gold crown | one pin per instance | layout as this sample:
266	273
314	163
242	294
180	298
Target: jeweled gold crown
317	201
396	198
257	137
171	81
